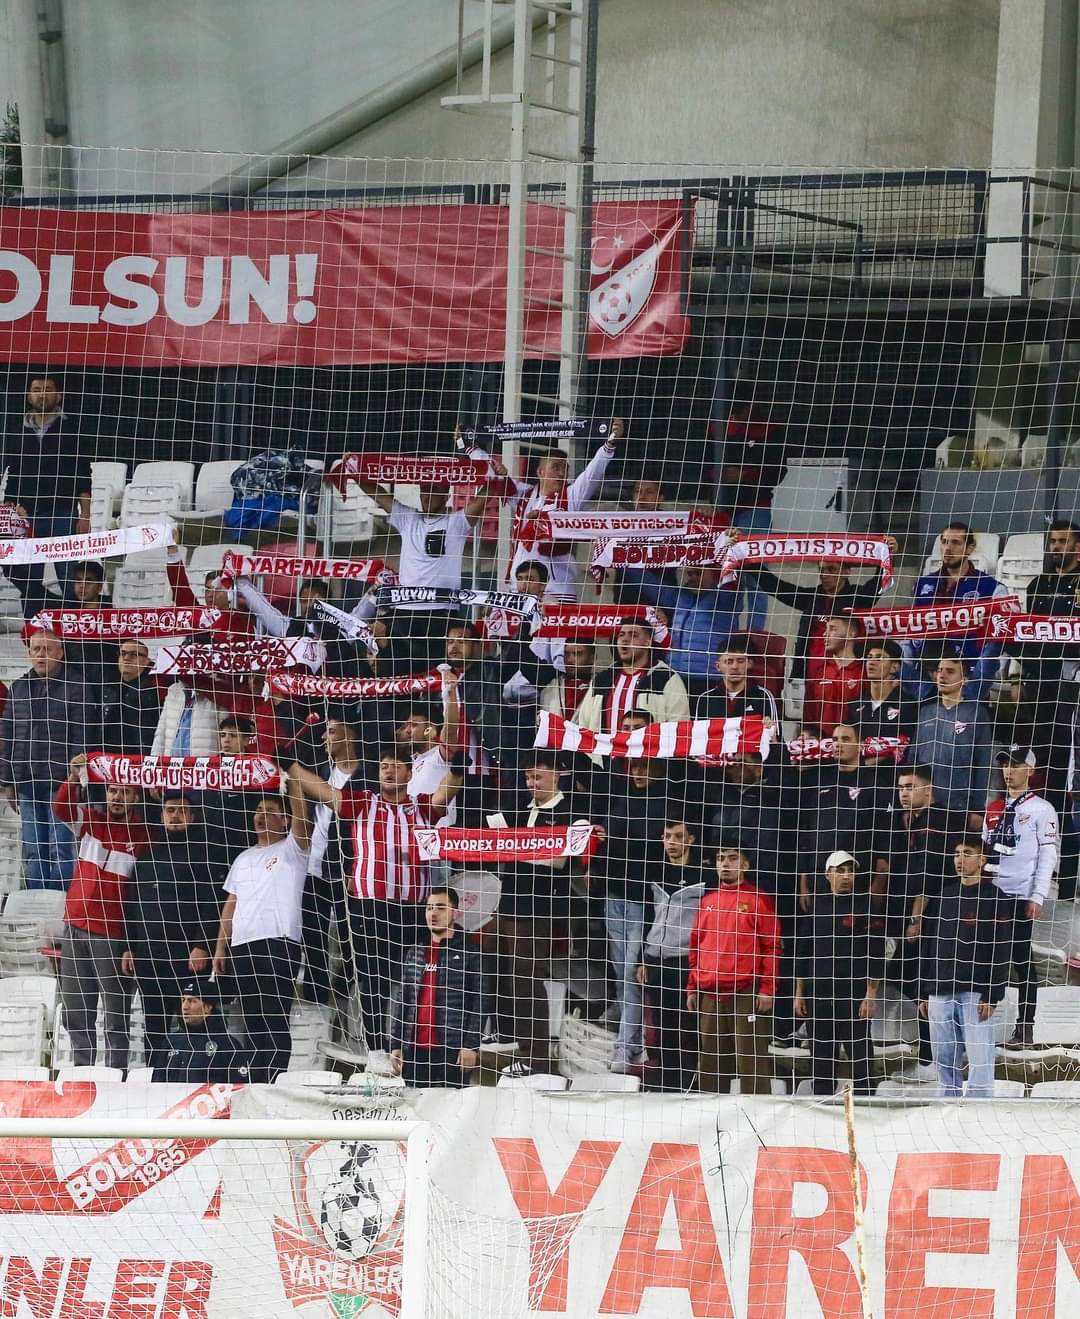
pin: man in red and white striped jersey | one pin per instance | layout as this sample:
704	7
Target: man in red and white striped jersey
94	935
387	882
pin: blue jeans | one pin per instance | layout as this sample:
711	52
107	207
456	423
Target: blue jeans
626	932
756	603
955	1029
48	847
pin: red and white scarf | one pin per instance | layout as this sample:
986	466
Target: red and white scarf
315	686
124	624
88	545
938	620
13	525
194	773
805	749
682	739
700	551
405	469
562	524
519	845
286	565
580	622
1053	629
253	655
865	551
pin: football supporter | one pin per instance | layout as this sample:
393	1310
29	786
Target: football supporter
42	726
678	884
109	841
835	679
638	681
734	958
954	737
388	883
565	692
840	962
965	970
735	694
752	464
95	660
259	938
130	703
881	709
702	615
436	1011
431	741
201	1049
1023	844
172	911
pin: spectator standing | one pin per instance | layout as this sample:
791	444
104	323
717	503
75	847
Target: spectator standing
436	1012
958	581
965	971
702	615
954	737
1023	842
565	692
841	961
172	911
109	843
42	726
734	959
678	884
881	709
431	742
96	660
638	681
202	1050
259	938
389	883
48	478
752	465
835	680
130	702
735	695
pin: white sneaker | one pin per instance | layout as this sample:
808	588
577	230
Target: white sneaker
623	1062
378	1061
519	1067
916	1071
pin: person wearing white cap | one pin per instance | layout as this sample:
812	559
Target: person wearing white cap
1021	830
840	961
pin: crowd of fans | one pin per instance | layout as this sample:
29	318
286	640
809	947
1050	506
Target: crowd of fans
742	903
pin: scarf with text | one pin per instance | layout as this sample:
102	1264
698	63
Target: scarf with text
353	628
698	551
511	845
802	750
316	686
405	469
194	773
88	545
682	739
287	565
864	551
563	524
13	525
124	624
564	428
580	623
1058	629
512	602
253	655
938	620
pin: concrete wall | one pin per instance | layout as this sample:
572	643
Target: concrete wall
832	83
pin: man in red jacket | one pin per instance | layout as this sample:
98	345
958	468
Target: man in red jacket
94	936
734	958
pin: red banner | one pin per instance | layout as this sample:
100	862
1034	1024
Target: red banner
1061	629
286	565
197	773
397	284
958	619
406	469
315	686
125	624
542	844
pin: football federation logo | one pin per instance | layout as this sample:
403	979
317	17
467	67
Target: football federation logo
622	278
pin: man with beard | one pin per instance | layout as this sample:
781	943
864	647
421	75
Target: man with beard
735	695
171	916
637	681
833	680
564	693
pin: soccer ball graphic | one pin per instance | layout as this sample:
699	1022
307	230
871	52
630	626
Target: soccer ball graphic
613	304
351	1210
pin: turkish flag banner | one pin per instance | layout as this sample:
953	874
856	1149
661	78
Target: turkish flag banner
369	286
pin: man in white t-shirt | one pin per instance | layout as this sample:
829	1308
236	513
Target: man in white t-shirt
433	542
262	927
430	744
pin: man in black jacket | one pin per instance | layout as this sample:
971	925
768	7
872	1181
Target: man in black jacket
965	969
436	1012
130	702
171	913
202	1049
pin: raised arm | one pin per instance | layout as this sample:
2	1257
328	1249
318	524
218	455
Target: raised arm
301	816
585	486
383	498
272	619
451	711
452	784
308	784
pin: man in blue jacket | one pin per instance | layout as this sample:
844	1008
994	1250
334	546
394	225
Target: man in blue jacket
203	1050
436	1011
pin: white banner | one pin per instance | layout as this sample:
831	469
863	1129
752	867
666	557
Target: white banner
90	545
572	1205
247	655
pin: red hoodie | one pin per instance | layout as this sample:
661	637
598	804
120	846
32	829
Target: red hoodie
735	942
104	866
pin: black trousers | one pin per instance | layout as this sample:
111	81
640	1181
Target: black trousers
676	1029
159	978
902	972
1020	956
835	1021
265	975
382	932
324	905
432	1069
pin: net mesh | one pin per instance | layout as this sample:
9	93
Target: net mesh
715	741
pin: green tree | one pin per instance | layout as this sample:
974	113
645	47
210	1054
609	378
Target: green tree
11	180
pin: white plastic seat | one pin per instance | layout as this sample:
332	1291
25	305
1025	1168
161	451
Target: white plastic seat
1054	931
896	1022
144	503
21	942
537	1081
22	1034
985	556
1056	1090
26	1072
213	488
309	1025
349	518
107	481
1005	1014
1057	1015
43	905
139	1075
11	619
208	558
30	989
139	588
606	1083
313	1076
1009	1089
90	1072
1033	451
1021	560
169	473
